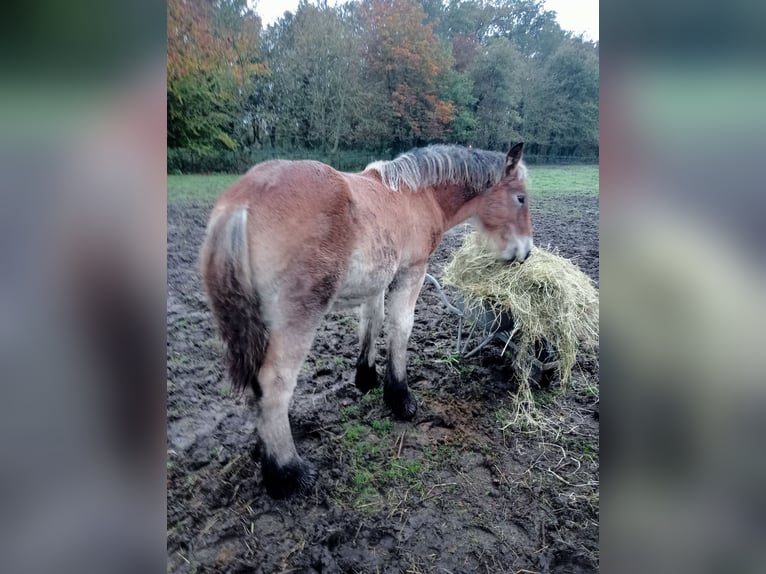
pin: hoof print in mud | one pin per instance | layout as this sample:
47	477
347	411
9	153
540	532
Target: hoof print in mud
366	378
294	478
402	404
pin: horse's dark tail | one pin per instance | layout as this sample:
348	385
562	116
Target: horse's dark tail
236	305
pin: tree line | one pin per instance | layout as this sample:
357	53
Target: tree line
371	78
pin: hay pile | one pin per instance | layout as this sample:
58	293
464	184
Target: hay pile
548	296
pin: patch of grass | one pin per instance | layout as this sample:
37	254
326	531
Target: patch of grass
590	389
553	181
502	416
376	474
225	392
408	470
447	454
180	358
382	426
581	445
362	478
545	397
451	361
349	412
353	432
466	369
184	188
374	396
340	361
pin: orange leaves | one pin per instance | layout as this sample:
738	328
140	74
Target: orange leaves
397	34
203	37
406	56
444	112
213	61
190	42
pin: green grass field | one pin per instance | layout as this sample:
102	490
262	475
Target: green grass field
547	180
544	181
198	187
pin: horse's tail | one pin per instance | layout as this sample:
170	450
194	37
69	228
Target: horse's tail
228	277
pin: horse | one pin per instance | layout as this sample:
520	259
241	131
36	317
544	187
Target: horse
291	240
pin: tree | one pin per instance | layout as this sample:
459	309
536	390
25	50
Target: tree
212	61
458	89
379	75
565	101
327	63
316	89
405	58
532	29
496	75
236	29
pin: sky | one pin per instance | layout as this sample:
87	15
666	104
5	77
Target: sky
578	16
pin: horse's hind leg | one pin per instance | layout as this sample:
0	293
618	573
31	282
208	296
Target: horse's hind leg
284	472
403	295
370	323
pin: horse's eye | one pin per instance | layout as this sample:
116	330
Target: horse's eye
521	199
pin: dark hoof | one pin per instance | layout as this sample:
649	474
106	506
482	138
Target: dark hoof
296	477
366	378
402	403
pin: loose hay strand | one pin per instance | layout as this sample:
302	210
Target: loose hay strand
549	298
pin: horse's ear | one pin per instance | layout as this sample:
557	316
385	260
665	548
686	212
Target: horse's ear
513	158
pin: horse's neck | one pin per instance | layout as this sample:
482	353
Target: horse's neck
457	204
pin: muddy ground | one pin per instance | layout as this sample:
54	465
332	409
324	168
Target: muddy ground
449	492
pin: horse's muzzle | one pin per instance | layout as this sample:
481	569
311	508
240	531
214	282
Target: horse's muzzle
518	249
518	259
517	253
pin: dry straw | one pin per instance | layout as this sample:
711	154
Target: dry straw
548	296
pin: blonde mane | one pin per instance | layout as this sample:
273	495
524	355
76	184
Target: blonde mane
438	164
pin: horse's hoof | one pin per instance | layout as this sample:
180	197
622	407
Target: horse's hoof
297	477
403	404
366	378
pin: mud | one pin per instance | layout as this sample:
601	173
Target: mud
450	492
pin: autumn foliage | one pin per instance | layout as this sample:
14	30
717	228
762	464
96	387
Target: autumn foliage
212	58
406	57
377	75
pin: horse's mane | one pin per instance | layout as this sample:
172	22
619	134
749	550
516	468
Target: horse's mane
438	164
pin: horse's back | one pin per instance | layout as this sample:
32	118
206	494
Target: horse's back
275	181
297	197
300	232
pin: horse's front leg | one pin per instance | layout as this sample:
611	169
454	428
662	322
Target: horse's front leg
403	295
370	323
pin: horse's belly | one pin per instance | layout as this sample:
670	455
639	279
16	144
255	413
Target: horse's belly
363	281
342	303
356	293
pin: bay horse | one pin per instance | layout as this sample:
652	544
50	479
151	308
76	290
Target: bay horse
291	240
